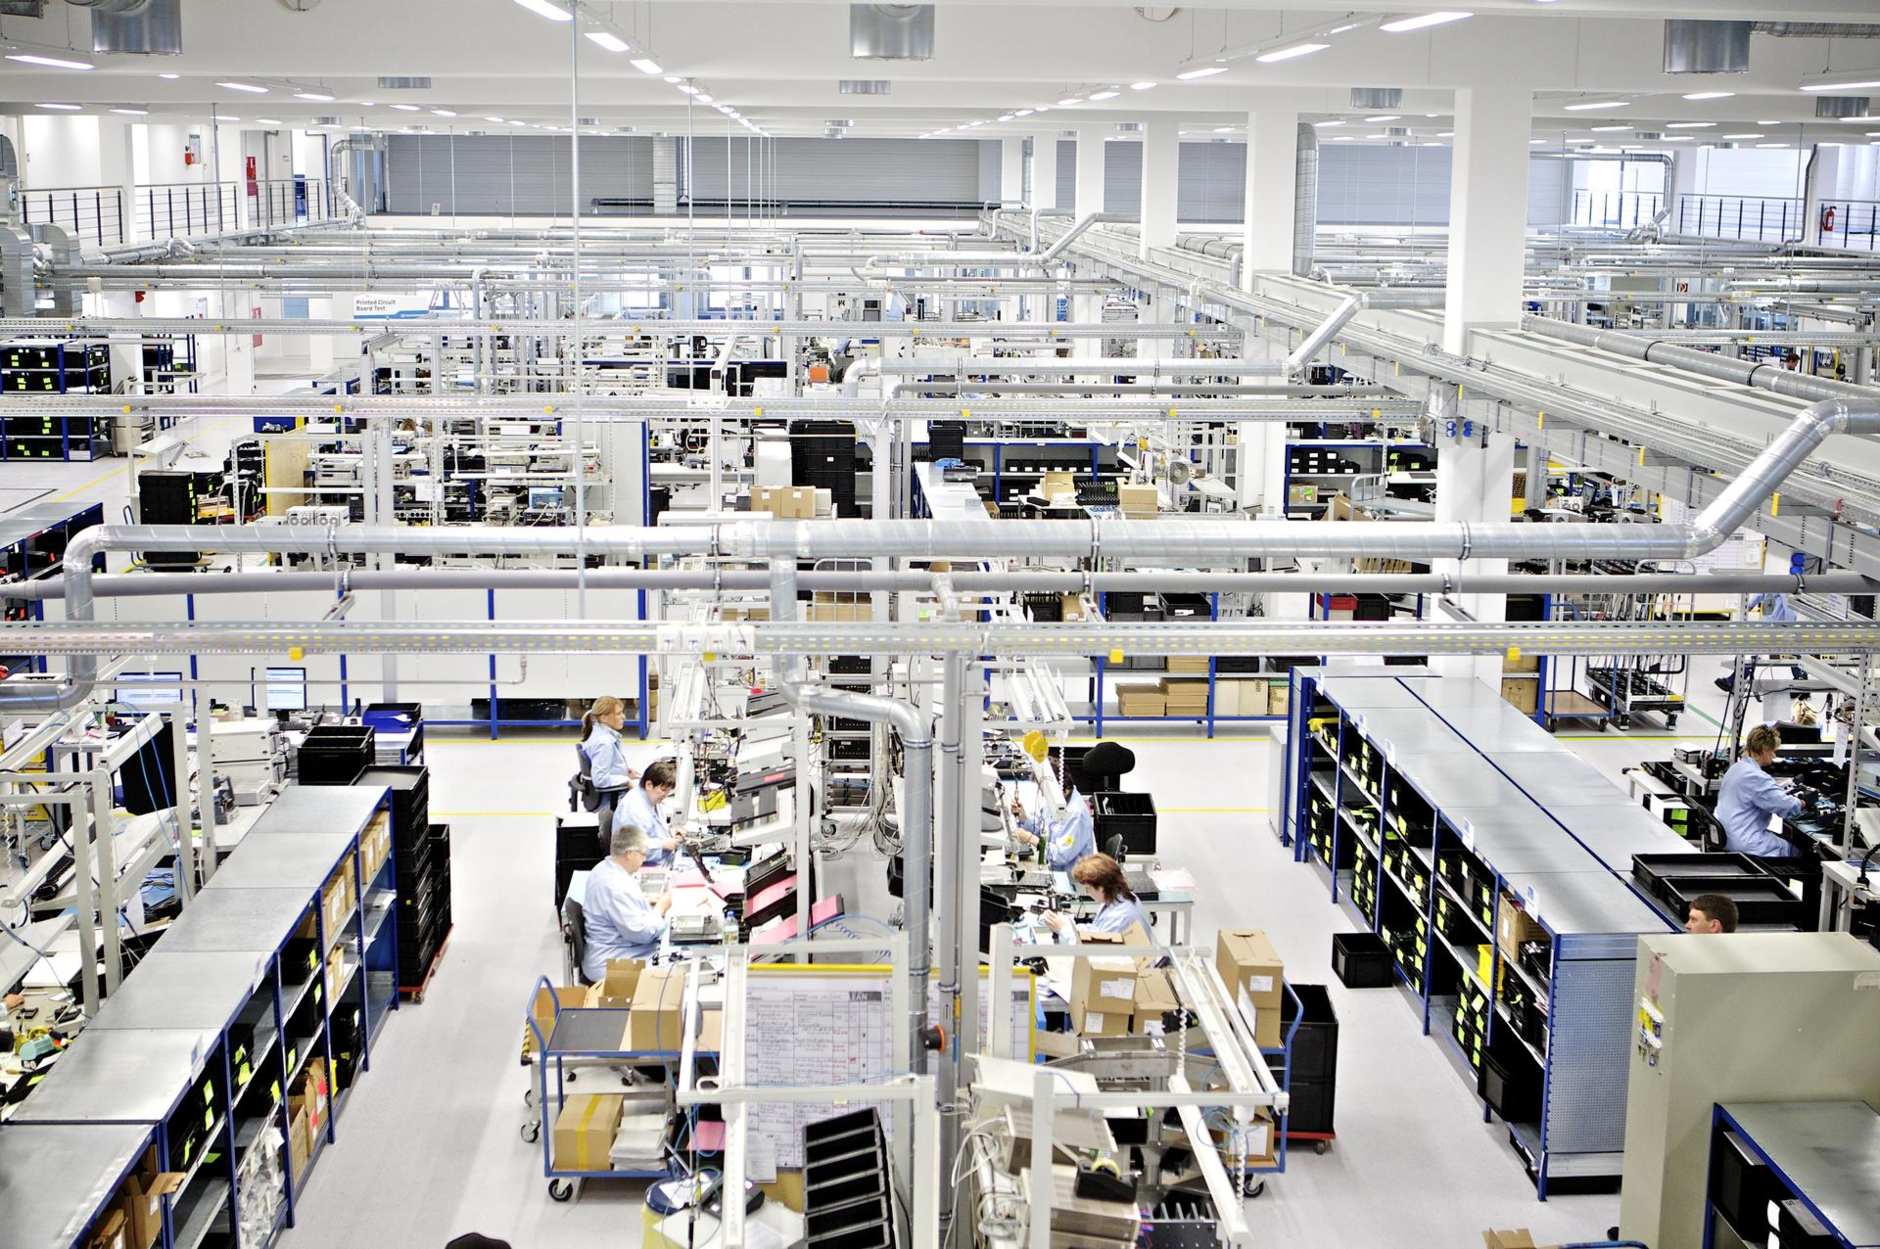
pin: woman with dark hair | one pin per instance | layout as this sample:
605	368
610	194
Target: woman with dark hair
641	807
1101	878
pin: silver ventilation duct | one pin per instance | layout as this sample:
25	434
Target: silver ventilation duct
1842	105
1706	47
1305	199
866	86
141	27
1377	97
1817	30
891	32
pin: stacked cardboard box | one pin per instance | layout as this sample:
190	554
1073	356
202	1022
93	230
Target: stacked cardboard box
1189	665
843	607
135	1218
1278	698
585	1130
1103	996
1140	700
338	896
1254	975
1185	698
1137	502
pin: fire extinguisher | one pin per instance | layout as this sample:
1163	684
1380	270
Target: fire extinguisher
1827	220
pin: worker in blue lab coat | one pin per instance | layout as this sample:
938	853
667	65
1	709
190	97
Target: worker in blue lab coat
1749	797
1100	878
641	806
1064	841
620	922
605	775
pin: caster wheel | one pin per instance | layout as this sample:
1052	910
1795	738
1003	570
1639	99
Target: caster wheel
560	1190
417	999
1252	1187
1319	1147
528	1098
571	1076
531	1132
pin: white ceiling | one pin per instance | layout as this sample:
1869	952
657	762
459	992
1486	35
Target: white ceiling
778	63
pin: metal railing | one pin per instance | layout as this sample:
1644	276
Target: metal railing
1619	210
93	214
1850	223
96	216
1739	217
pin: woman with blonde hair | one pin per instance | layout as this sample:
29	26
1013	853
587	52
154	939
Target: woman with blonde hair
603	757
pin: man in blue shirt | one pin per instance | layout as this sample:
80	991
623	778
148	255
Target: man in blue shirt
620	922
1749	797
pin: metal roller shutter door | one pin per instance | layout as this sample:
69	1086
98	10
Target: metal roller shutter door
502	174
869	171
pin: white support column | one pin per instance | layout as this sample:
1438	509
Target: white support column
1044	180
1474	483
1161	174
1090	170
1487	242
1012	171
238	359
1272	167
1824	168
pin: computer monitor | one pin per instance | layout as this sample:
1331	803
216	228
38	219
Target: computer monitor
546	498
149	691
286	689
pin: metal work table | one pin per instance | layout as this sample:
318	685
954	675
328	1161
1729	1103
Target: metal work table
1444	695
1510	731
1579	903
1408	730
302	862
1828	1152
1555	779
55	1177
1356	693
132	1075
1520	839
1447	781
184	990
245	920
1614	831
315	809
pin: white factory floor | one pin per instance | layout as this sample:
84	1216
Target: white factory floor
1413	1164
430	1146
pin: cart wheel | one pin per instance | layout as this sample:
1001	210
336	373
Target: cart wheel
417	997
1252	1186
528	1097
1319	1147
569	1076
532	1131
560	1190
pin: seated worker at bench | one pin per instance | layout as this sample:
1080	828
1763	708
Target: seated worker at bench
620	922
1101	878
641	806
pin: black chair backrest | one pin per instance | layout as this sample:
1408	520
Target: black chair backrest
574	933
1113	846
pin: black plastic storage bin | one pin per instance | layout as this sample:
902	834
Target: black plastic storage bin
1186	607
335	754
1361	960
1510	1082
1656	873
1741	1186
1128	815
1313	1076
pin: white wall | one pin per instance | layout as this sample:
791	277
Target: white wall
1858	177
160	154
61	152
1755	173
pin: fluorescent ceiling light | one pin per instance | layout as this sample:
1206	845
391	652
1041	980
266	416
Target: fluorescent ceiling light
1432	143
1023	112
1586	106
132	112
63	108
548	9
1689	125
249	87
1536	142
1103	95
1398	26
1710	95
314	95
609	40
1772	145
1769	123
1070	101
1201	71
1382	117
1223	130
1140	86
674	78
1741	136
1328	123
646	65
50	62
497	120
1342	138
443	112
1677	138
171	77
688	88
407	108
1008	117
701	97
267	121
1287	54
1608	129
1445	134
226	120
368	104
1845	80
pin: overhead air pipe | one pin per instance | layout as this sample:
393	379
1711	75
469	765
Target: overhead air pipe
1763	375
917	829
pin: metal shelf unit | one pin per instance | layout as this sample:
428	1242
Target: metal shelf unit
1102	666
202	1035
1825	1155
32	542
1321	462
1435	808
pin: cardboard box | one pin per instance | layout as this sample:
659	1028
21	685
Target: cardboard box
619	981
1302	495
1141	700
1056	483
141	1199
1251	969
1155	997
109	1233
1071	606
1515	926
1196	665
1278	698
1103	996
847	607
795	502
762	500
1522	693
299	1142
1526	663
1515	1238
584	1131
543	1011
1137	500
653	1023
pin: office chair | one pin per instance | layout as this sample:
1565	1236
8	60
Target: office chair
1113	846
573	941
